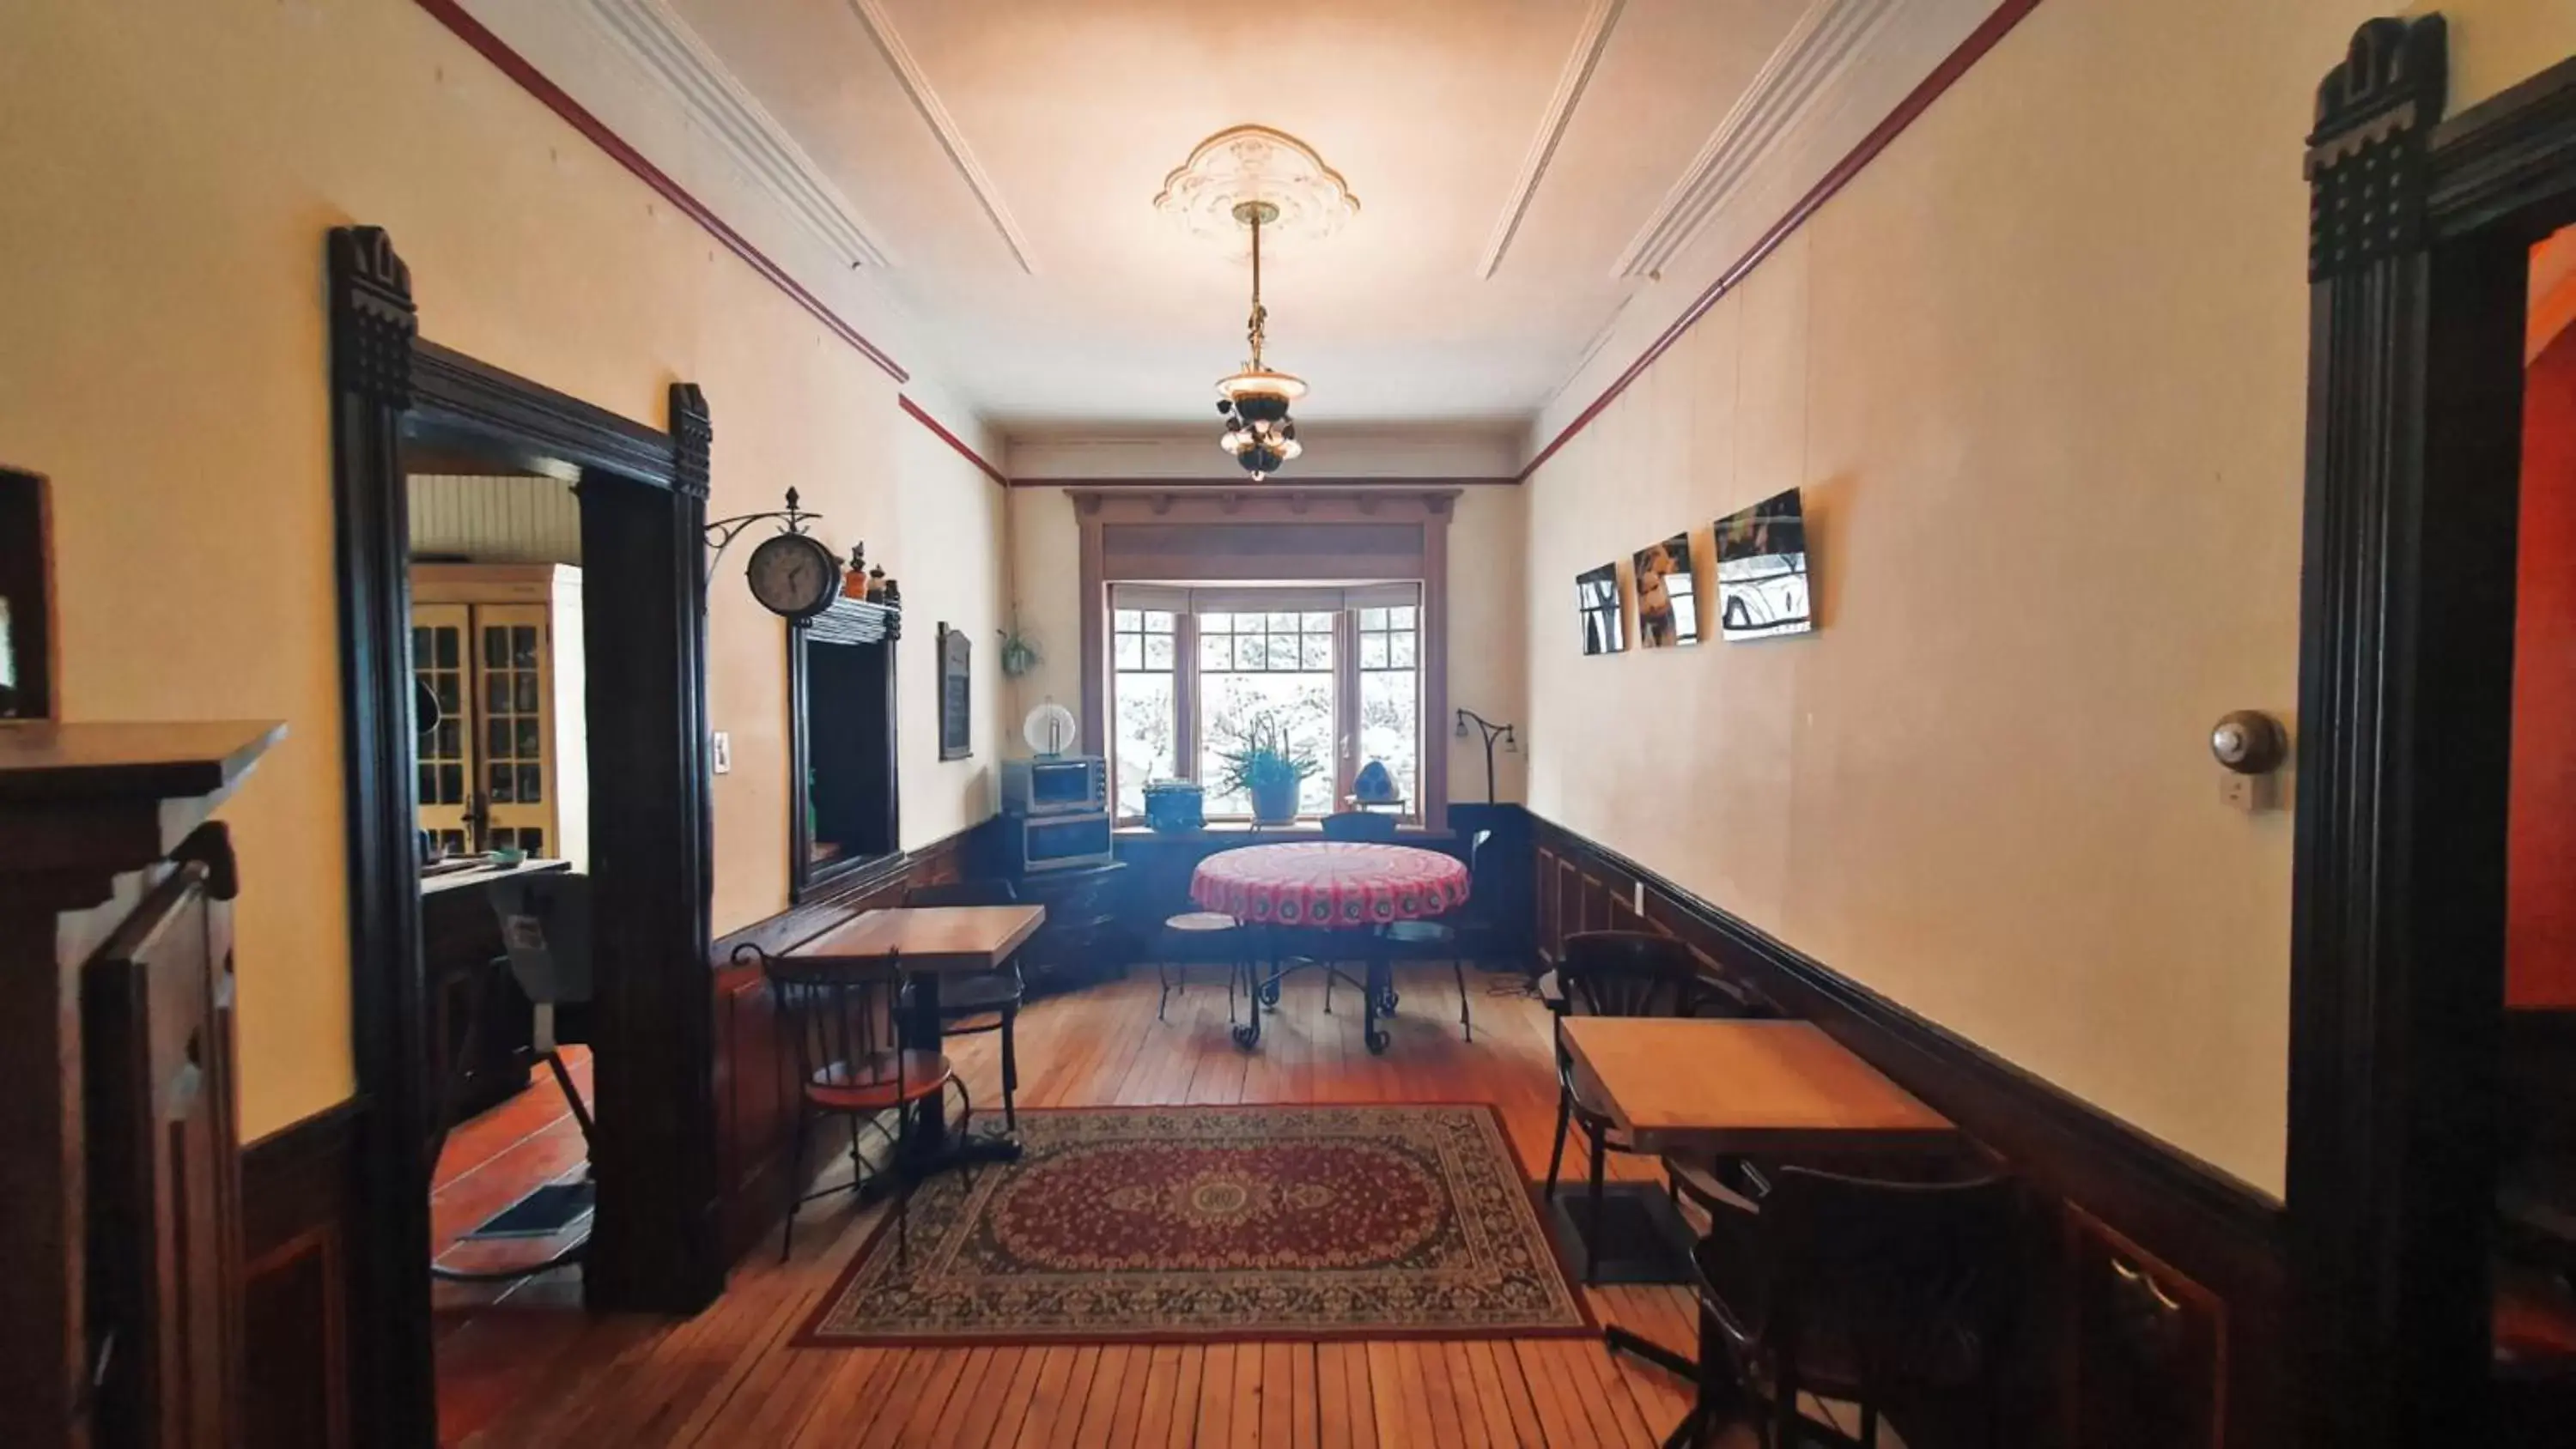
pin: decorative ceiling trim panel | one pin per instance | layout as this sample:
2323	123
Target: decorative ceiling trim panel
694	79
1989	33
555	98
1589	42
1814	57
925	99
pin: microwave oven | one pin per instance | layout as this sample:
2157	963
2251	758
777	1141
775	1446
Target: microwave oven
1061	842
1055	785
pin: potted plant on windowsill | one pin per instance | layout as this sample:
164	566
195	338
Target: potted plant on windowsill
1268	765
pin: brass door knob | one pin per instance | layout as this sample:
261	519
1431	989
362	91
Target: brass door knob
2249	742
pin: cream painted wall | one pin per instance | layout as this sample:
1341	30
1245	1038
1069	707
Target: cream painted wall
2040	370
172	169
1485	653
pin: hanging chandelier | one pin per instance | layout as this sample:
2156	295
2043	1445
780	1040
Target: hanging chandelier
1259	433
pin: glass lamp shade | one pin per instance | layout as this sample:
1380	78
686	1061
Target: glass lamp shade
1261	382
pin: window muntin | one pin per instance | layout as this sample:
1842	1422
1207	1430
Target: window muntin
1144	654
1346	680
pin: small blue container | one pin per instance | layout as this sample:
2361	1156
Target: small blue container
1175	805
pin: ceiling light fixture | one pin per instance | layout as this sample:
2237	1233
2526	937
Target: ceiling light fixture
1258	431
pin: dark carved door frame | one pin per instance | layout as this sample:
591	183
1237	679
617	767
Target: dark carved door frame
2418	266
654	1245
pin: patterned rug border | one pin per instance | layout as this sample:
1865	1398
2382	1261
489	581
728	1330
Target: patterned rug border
1590	1327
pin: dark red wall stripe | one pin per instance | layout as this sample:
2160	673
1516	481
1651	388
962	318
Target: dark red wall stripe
1956	64
534	82
954	441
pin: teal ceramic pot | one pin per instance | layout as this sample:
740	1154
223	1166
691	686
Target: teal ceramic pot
1274	802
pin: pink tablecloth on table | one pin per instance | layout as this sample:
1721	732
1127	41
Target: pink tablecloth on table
1329	883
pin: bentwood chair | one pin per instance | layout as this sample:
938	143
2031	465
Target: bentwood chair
546	940
545	934
1452	938
841	1021
983	1001
1613	973
1194	936
1892	1295
1359	825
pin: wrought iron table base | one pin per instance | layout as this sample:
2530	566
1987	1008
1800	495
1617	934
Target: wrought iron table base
1377	992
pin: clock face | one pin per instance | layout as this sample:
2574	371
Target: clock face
794	575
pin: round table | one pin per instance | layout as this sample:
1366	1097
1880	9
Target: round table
1330	885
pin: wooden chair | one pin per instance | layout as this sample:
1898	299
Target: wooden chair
841	1020
1613	973
1452	938
1191	936
1359	825
545	926
982	1001
1893	1295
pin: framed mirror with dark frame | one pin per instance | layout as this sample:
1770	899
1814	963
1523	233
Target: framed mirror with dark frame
26	599
841	687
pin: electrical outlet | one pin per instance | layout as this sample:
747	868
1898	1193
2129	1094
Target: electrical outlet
722	753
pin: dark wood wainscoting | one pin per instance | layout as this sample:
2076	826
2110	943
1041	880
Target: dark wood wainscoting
297	1200
754	1087
2158	1293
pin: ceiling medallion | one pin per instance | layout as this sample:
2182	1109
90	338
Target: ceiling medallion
1309	199
1254	179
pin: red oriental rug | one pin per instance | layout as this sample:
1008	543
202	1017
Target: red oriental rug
1203	1224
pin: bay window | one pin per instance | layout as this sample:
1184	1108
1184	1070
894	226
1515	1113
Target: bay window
1194	669
1207	607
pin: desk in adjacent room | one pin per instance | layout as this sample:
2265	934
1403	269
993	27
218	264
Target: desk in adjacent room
469	979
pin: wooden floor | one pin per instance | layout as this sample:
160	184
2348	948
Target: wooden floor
546	1376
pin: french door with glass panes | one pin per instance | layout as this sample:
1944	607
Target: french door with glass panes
487	771
440	634
514	692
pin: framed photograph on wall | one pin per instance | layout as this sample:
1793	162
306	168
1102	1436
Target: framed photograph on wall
956	694
1596	595
1762	570
1667	595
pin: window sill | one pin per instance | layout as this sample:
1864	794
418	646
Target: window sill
1236	831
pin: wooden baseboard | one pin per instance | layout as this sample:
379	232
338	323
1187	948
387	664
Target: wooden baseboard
297	1199
2158	1295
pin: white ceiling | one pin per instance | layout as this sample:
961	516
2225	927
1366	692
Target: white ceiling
987	169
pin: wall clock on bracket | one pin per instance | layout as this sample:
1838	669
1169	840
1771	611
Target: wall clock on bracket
794	576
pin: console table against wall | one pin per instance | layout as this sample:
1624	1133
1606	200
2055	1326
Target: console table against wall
120	1220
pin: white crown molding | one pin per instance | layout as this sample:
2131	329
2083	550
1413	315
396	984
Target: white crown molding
692	78
1590	39
934	113
1809	64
